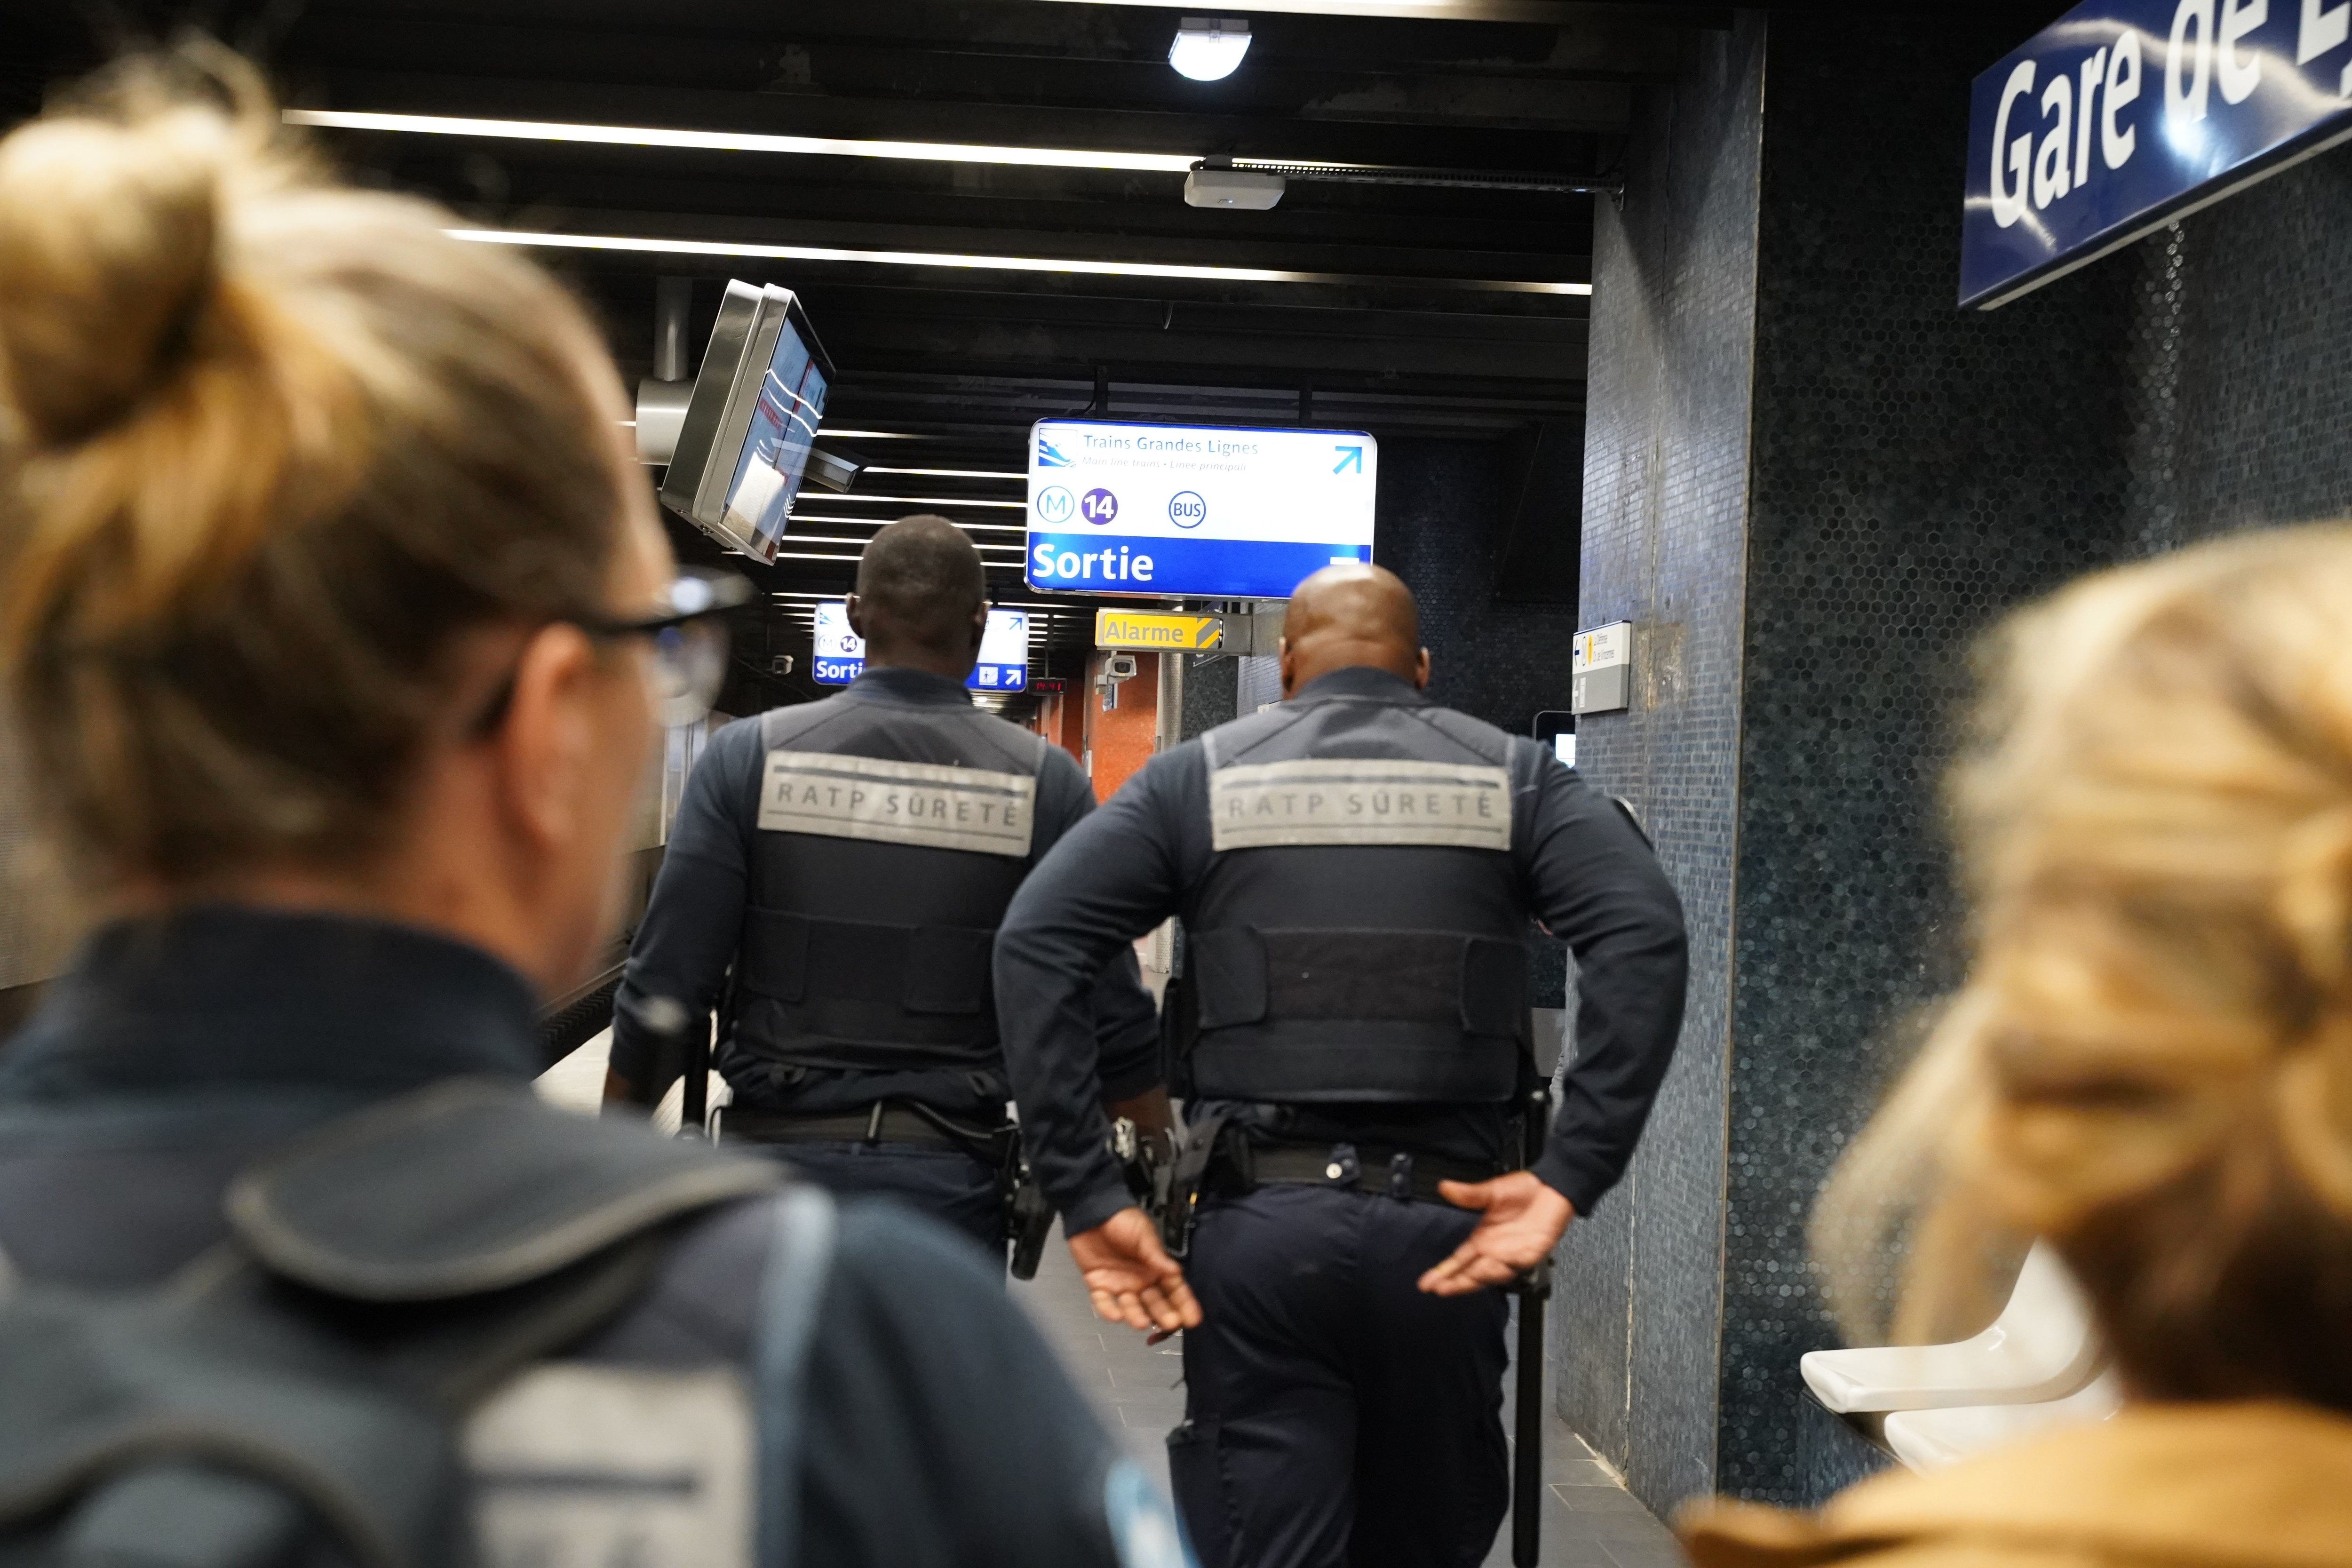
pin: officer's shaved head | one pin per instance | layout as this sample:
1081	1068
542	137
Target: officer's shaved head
1349	614
922	597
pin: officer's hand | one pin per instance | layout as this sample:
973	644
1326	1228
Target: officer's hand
1130	1278
1522	1224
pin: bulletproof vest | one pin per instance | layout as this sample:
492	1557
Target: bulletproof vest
888	844
362	1367
1360	934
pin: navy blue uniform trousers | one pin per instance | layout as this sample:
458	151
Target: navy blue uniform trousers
946	1184
1335	1417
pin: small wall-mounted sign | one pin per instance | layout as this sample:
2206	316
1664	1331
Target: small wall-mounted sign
1165	629
1601	669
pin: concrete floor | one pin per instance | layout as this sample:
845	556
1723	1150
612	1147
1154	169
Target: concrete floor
1589	1520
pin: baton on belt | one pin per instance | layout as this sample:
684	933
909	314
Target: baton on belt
693	1110
666	1020
1533	1289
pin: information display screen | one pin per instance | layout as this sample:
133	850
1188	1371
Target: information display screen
1198	512
776	448
1003	650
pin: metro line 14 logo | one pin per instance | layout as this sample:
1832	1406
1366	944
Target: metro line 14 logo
1100	507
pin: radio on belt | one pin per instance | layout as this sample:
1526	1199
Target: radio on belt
1600	669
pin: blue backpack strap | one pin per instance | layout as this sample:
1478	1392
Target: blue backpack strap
800	1264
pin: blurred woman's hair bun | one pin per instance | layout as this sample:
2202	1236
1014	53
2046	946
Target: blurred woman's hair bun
2150	1065
267	444
111	223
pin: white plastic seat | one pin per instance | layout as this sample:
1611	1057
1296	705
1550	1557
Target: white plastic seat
1929	1439
2041	1348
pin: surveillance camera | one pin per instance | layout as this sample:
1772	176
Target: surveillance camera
1119	667
781	663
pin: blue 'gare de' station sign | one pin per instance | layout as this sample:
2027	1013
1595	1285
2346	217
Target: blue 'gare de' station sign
2123	114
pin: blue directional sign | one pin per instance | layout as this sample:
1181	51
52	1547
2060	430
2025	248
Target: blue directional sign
1205	511
2123	114
1003	664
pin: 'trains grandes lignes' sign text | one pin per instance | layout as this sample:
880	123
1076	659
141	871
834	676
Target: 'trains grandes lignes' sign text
2123	114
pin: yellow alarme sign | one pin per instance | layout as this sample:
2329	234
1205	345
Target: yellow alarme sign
1156	629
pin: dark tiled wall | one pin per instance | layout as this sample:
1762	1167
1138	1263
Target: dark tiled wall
2240	360
1440	503
1666	462
1812	483
1916	472
1209	688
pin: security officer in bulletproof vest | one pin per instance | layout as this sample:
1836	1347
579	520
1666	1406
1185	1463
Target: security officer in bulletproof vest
833	881
1355	869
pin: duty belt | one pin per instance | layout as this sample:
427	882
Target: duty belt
1400	1174
883	1122
1028	1217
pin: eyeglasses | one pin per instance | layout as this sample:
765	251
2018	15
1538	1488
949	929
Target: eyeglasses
690	637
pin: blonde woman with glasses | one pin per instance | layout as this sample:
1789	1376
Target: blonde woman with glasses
2151	1067
337	620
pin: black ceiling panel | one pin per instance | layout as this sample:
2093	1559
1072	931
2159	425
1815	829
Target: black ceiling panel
1405	332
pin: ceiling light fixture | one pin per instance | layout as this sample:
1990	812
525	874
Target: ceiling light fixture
1209	186
878	524
1013	565
951	473
833	499
738	142
938	152
1209	49
1544	12
861	543
1000	263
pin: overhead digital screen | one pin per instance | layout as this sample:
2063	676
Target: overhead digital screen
776	447
1003	650
1194	511
744	440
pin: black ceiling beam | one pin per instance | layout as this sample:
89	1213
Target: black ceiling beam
945	68
492	175
978	408
1578	37
1275	314
896	343
1409	268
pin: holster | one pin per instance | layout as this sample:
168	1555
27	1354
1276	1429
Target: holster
1213	1150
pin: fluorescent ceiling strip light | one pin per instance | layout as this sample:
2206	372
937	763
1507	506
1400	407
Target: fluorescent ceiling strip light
852	559
829	539
949	473
876	522
834	498
825	430
1547	12
743	142
996	263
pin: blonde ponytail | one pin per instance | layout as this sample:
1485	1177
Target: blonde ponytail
2152	1063
266	443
